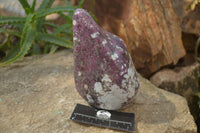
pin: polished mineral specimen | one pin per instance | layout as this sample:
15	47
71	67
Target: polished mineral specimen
103	69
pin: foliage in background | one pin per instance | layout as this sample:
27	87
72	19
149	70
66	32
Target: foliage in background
199	99
197	49
193	4
198	59
33	33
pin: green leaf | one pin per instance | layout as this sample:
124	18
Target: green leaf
196	49
19	26
5	44
199	94
33	6
51	24
68	3
48	11
36	49
40	24
28	41
9	20
54	39
53	49
45	4
29	19
67	31
61	28
57	31
12	53
68	18
81	3
199	103
11	32
46	48
26	6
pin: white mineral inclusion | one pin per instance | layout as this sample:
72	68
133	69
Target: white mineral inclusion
129	76
122	72
114	56
98	88
104	42
114	35
94	35
77	12
74	22
115	98
79	73
86	86
75	38
89	98
121	40
106	78
119	48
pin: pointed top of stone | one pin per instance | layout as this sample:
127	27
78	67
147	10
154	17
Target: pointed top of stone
84	27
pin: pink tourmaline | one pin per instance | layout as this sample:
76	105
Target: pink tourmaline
103	69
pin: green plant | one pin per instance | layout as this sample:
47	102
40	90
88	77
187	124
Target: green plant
199	95
196	49
33	33
192	5
199	100
198	59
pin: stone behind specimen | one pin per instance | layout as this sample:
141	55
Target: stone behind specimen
151	30
103	69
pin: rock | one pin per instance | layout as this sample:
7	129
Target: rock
189	41
181	7
190	19
38	95
181	80
150	29
191	22
186	17
103	69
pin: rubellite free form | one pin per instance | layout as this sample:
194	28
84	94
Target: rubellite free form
103	69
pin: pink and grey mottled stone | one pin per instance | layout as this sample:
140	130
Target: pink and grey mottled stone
103	69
